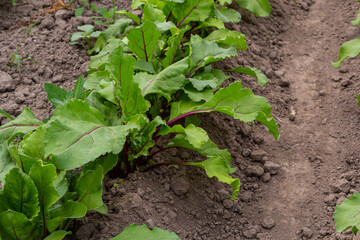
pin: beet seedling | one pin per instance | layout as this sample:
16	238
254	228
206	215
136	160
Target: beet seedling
16	58
87	32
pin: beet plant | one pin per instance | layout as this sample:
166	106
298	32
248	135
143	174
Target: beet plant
141	97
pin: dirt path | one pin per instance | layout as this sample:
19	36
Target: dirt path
311	152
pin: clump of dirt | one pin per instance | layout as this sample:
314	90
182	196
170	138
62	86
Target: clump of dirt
289	188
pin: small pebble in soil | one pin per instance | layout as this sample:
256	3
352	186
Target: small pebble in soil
346	83
6	82
322	93
341	185
85	231
305	233
344	70
336	79
150	223
268	223
258	155
330	200
254	171
179	185
266	177
223	194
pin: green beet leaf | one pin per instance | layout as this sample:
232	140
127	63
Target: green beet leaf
211	22
234	101
192	10
15	226
347	215
107	162
227	15
174	46
127	91
143	40
135	232
22	161
61	184
43	176
222	2
89	188
260	8
59	213
358	100
225	36
58	235
24	123
212	78
78	134
166	82
19	194
152	14
204	52
56	95
348	49
6	164
33	144
130	15
357	20
5	114
260	77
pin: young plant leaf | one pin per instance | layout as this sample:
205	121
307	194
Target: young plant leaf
143	40
348	49
130	15
235	101
227	15
260	8
174	45
6	164
76	135
56	94
79	11
5	114
357	20
167	82
58	235
24	123
78	88
121	69
192	10
143	232
14	224
19	194
33	144
225	36
347	215
260	77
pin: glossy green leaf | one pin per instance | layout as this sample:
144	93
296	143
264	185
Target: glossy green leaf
6	164
204	52
357	19
56	95
43	175
348	49
5	114
234	101
19	194
58	235
89	188
260	8
166	83
14	226
174	46
78	134
61	184
24	123
198	96
23	161
33	144
61	212
143	40
127	91
152	14
347	215
192	10
130	15
222	2
144	66
78	88
228	37
212	78
135	232
227	15
99	61
260	77
107	163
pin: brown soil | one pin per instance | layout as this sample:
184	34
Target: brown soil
308	171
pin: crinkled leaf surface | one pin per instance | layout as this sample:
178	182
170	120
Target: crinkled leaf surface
6	163
19	194
211	22
228	37
43	176
227	15
348	49
127	91
234	101
14	226
174	45
260	77
22	161
61	184
166	83
192	10
58	235
260	8
78	134
135	232
56	94
204	52
33	143
143	40
107	162
24	123
89	188
347	214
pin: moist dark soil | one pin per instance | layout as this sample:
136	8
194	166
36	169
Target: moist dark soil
289	187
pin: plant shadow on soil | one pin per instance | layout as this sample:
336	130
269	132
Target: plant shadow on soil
183	199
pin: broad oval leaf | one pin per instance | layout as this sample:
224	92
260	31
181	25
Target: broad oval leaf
143	40
134	232
192	10
14	224
6	164
260	77
347	215
260	8
227	15
348	49
225	36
